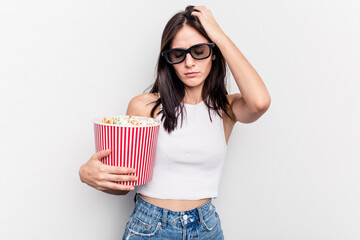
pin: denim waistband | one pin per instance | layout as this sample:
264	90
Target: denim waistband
167	216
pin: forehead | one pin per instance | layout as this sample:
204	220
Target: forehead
186	37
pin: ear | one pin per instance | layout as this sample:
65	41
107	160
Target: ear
213	57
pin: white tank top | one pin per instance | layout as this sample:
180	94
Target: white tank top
189	160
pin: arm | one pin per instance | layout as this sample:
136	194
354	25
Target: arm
254	99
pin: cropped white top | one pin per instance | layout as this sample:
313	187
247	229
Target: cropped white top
189	160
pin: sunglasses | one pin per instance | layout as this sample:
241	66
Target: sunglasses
177	55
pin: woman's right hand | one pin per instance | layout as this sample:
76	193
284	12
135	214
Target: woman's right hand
104	177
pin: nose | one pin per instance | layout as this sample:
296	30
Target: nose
189	60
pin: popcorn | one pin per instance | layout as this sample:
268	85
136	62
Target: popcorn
129	121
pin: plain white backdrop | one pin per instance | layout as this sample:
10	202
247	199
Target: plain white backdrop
293	174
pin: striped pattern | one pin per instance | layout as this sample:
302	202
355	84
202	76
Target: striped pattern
132	147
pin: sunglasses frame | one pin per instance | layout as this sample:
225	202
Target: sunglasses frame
164	53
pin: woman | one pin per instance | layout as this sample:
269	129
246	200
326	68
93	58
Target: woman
190	85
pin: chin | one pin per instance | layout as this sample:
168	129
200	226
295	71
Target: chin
193	84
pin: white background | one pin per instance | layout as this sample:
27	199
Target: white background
293	174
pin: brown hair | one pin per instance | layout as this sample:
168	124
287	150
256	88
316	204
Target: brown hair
171	89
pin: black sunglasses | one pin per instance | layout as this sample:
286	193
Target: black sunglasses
177	55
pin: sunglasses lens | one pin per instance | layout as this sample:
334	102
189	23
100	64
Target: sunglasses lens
176	56
200	52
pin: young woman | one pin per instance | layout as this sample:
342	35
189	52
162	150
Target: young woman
197	114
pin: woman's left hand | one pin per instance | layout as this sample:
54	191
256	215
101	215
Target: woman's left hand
209	23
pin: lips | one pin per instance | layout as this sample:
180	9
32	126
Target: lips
191	74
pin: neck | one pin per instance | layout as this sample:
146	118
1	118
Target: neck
192	96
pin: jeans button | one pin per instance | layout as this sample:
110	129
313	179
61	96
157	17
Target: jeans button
185	217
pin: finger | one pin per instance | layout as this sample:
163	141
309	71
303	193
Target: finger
121	178
118	170
203	10
101	154
196	14
200	8
116	186
102	182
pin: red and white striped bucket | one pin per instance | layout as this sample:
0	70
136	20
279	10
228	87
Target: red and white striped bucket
131	146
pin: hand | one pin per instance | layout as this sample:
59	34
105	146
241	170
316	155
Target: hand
104	177
209	23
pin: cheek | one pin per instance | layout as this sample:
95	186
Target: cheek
207	67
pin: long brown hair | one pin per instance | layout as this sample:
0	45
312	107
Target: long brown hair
172	90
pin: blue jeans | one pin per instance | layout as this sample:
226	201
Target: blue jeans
149	221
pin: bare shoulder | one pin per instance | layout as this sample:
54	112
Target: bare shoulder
142	104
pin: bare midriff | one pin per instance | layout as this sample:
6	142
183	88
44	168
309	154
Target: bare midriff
175	205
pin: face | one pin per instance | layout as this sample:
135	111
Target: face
191	72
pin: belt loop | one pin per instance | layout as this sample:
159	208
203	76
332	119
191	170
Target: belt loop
164	217
200	215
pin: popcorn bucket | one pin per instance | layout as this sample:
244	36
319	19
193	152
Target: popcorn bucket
132	141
